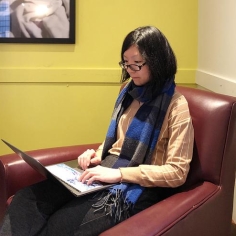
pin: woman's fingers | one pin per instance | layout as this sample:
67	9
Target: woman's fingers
84	159
100	173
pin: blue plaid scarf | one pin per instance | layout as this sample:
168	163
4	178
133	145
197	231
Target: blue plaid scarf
139	143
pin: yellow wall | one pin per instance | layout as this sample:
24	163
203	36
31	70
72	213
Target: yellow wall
54	95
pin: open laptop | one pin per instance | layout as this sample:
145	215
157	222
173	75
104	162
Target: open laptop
61	173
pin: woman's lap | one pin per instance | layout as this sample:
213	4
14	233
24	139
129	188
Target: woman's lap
81	219
47	208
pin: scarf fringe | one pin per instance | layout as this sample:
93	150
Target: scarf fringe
114	205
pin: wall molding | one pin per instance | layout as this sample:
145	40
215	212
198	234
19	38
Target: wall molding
216	83
58	75
75	75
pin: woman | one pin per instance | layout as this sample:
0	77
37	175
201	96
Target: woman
148	146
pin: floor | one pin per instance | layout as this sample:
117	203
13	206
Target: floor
192	86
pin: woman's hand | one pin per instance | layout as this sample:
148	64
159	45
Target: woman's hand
87	158
100	173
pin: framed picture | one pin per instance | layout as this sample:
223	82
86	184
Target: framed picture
37	21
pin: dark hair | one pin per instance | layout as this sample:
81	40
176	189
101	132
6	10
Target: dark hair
156	51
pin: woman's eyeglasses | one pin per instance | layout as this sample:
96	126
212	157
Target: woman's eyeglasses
132	67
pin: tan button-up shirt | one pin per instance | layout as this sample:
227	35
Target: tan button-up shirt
173	151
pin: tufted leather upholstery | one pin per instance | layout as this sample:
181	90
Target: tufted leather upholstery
202	206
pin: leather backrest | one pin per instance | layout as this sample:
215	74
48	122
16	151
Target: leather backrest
213	118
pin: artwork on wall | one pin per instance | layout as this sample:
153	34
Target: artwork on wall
37	21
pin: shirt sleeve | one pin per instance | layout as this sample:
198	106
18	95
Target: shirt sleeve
173	152
99	150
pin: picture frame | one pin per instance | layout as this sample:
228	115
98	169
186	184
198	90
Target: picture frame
37	21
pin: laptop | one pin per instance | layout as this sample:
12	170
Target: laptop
61	173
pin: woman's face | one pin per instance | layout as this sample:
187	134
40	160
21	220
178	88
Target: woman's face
133	56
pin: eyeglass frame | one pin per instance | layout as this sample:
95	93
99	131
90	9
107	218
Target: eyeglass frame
125	66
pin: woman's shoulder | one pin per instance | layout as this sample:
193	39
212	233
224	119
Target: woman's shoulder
178	97
178	101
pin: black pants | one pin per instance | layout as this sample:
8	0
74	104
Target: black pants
47	208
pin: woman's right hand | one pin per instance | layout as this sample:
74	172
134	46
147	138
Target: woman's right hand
87	158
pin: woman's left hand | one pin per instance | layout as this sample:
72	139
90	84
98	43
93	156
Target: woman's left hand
100	173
